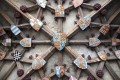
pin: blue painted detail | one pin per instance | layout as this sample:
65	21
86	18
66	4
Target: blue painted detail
57	71
93	42
38	63
26	42
81	62
58	41
84	22
15	30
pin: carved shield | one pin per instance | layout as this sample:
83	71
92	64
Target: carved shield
38	62
59	71
93	42
2	32
42	3
81	62
59	12
46	78
15	30
104	29
72	78
36	24
77	3
84	22
117	53
7	42
118	30
103	55
2	54
26	42
115	42
59	40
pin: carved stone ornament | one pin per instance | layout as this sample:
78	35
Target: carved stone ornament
7	42
77	3
2	32
59	12
72	78
59	40
80	62
94	42
117	53
103	55
38	62
2	54
84	22
15	30
42	3
26	42
36	24
104	29
59	71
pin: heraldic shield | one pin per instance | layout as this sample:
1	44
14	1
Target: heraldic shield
59	40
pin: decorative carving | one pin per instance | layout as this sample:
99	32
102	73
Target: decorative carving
104	29
17	55
81	62
7	42
94	42
59	40
42	3
84	22
72	78
77	3
38	62
36	24
59	12
26	42
2	32
59	70
103	55
2	54
15	30
117	53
